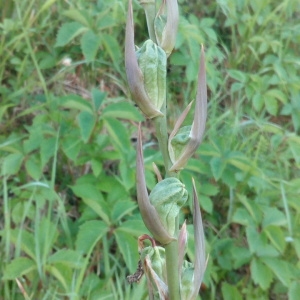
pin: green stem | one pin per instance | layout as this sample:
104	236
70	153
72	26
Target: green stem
172	270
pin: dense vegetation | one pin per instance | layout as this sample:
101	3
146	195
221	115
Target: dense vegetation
69	221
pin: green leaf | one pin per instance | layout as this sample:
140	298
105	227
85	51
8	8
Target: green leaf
121	209
24	240
75	102
78	15
271	105
18	267
127	244
237	75
273	216
261	274
112	47
123	110
67	32
294	291
12	163
87	123
89	234
276	237
97	97
258	102
134	227
90	43
280	268
277	94
48	147
72	144
96	167
118	134
67	257
242	216
92	197
33	167
230	292
217	166
206	203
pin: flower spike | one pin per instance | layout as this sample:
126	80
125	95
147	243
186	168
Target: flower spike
148	212
133	72
198	127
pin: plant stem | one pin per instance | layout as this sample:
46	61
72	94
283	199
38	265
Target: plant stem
172	270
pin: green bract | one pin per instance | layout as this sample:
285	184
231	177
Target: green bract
179	142
152	62
168	196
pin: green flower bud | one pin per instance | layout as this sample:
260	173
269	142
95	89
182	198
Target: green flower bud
167	197
152	62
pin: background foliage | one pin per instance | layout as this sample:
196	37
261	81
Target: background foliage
69	221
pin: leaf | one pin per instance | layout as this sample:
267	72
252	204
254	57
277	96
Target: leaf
258	102
92	197
90	43
18	267
12	163
273	216
67	32
237	75
33	167
96	167
294	291
47	150
118	134
230	292
128	246
271	105
276	237
89	234
87	123
75	102
280	268
261	274
206	203
97	97
78	15
24	240
112	47
123	110
67	257
217	166
121	209
134	227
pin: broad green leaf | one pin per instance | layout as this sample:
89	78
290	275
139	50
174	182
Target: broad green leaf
79	15
261	274
209	189
119	134
89	234
230	292
276	237
206	203
273	216
92	197
96	167
97	97
24	240
76	102
128	246
294	291
217	166
237	75
87	123
123	110
277	94
48	147
251	207
242	216
67	32
90	43
12	163
134	227
67	257
258	102
112	47
18	267
271	105
241	256
280	268
33	167
121	209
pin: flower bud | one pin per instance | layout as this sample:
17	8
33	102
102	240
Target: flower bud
167	197
152	61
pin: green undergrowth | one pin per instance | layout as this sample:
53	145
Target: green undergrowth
69	221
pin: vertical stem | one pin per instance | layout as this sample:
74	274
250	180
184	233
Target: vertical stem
172	268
